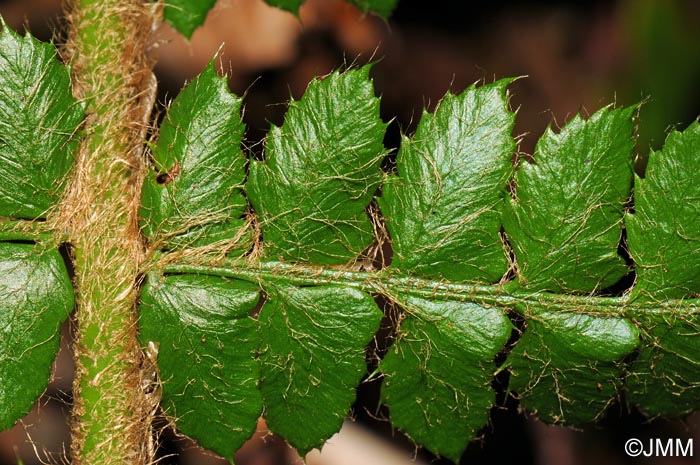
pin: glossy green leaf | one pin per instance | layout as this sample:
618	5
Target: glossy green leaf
440	369
566	221
321	169
207	347
187	15
443	211
39	119
664	232
663	236
567	367
565	226
36	296
193	196
313	358
665	378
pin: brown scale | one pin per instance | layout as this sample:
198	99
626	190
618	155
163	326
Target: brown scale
170	175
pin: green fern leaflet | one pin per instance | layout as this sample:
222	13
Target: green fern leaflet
262	275
468	255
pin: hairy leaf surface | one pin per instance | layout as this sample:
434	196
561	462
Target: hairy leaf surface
665	378
313	358
38	121
566	221
193	196
564	226
567	367
664	241
664	232
443	211
224	360
321	169
207	348
439	372
36	296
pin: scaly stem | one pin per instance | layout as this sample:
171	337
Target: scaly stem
107	46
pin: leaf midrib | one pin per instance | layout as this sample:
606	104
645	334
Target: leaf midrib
388	281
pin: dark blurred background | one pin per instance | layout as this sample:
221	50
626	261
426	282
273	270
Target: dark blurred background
577	56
